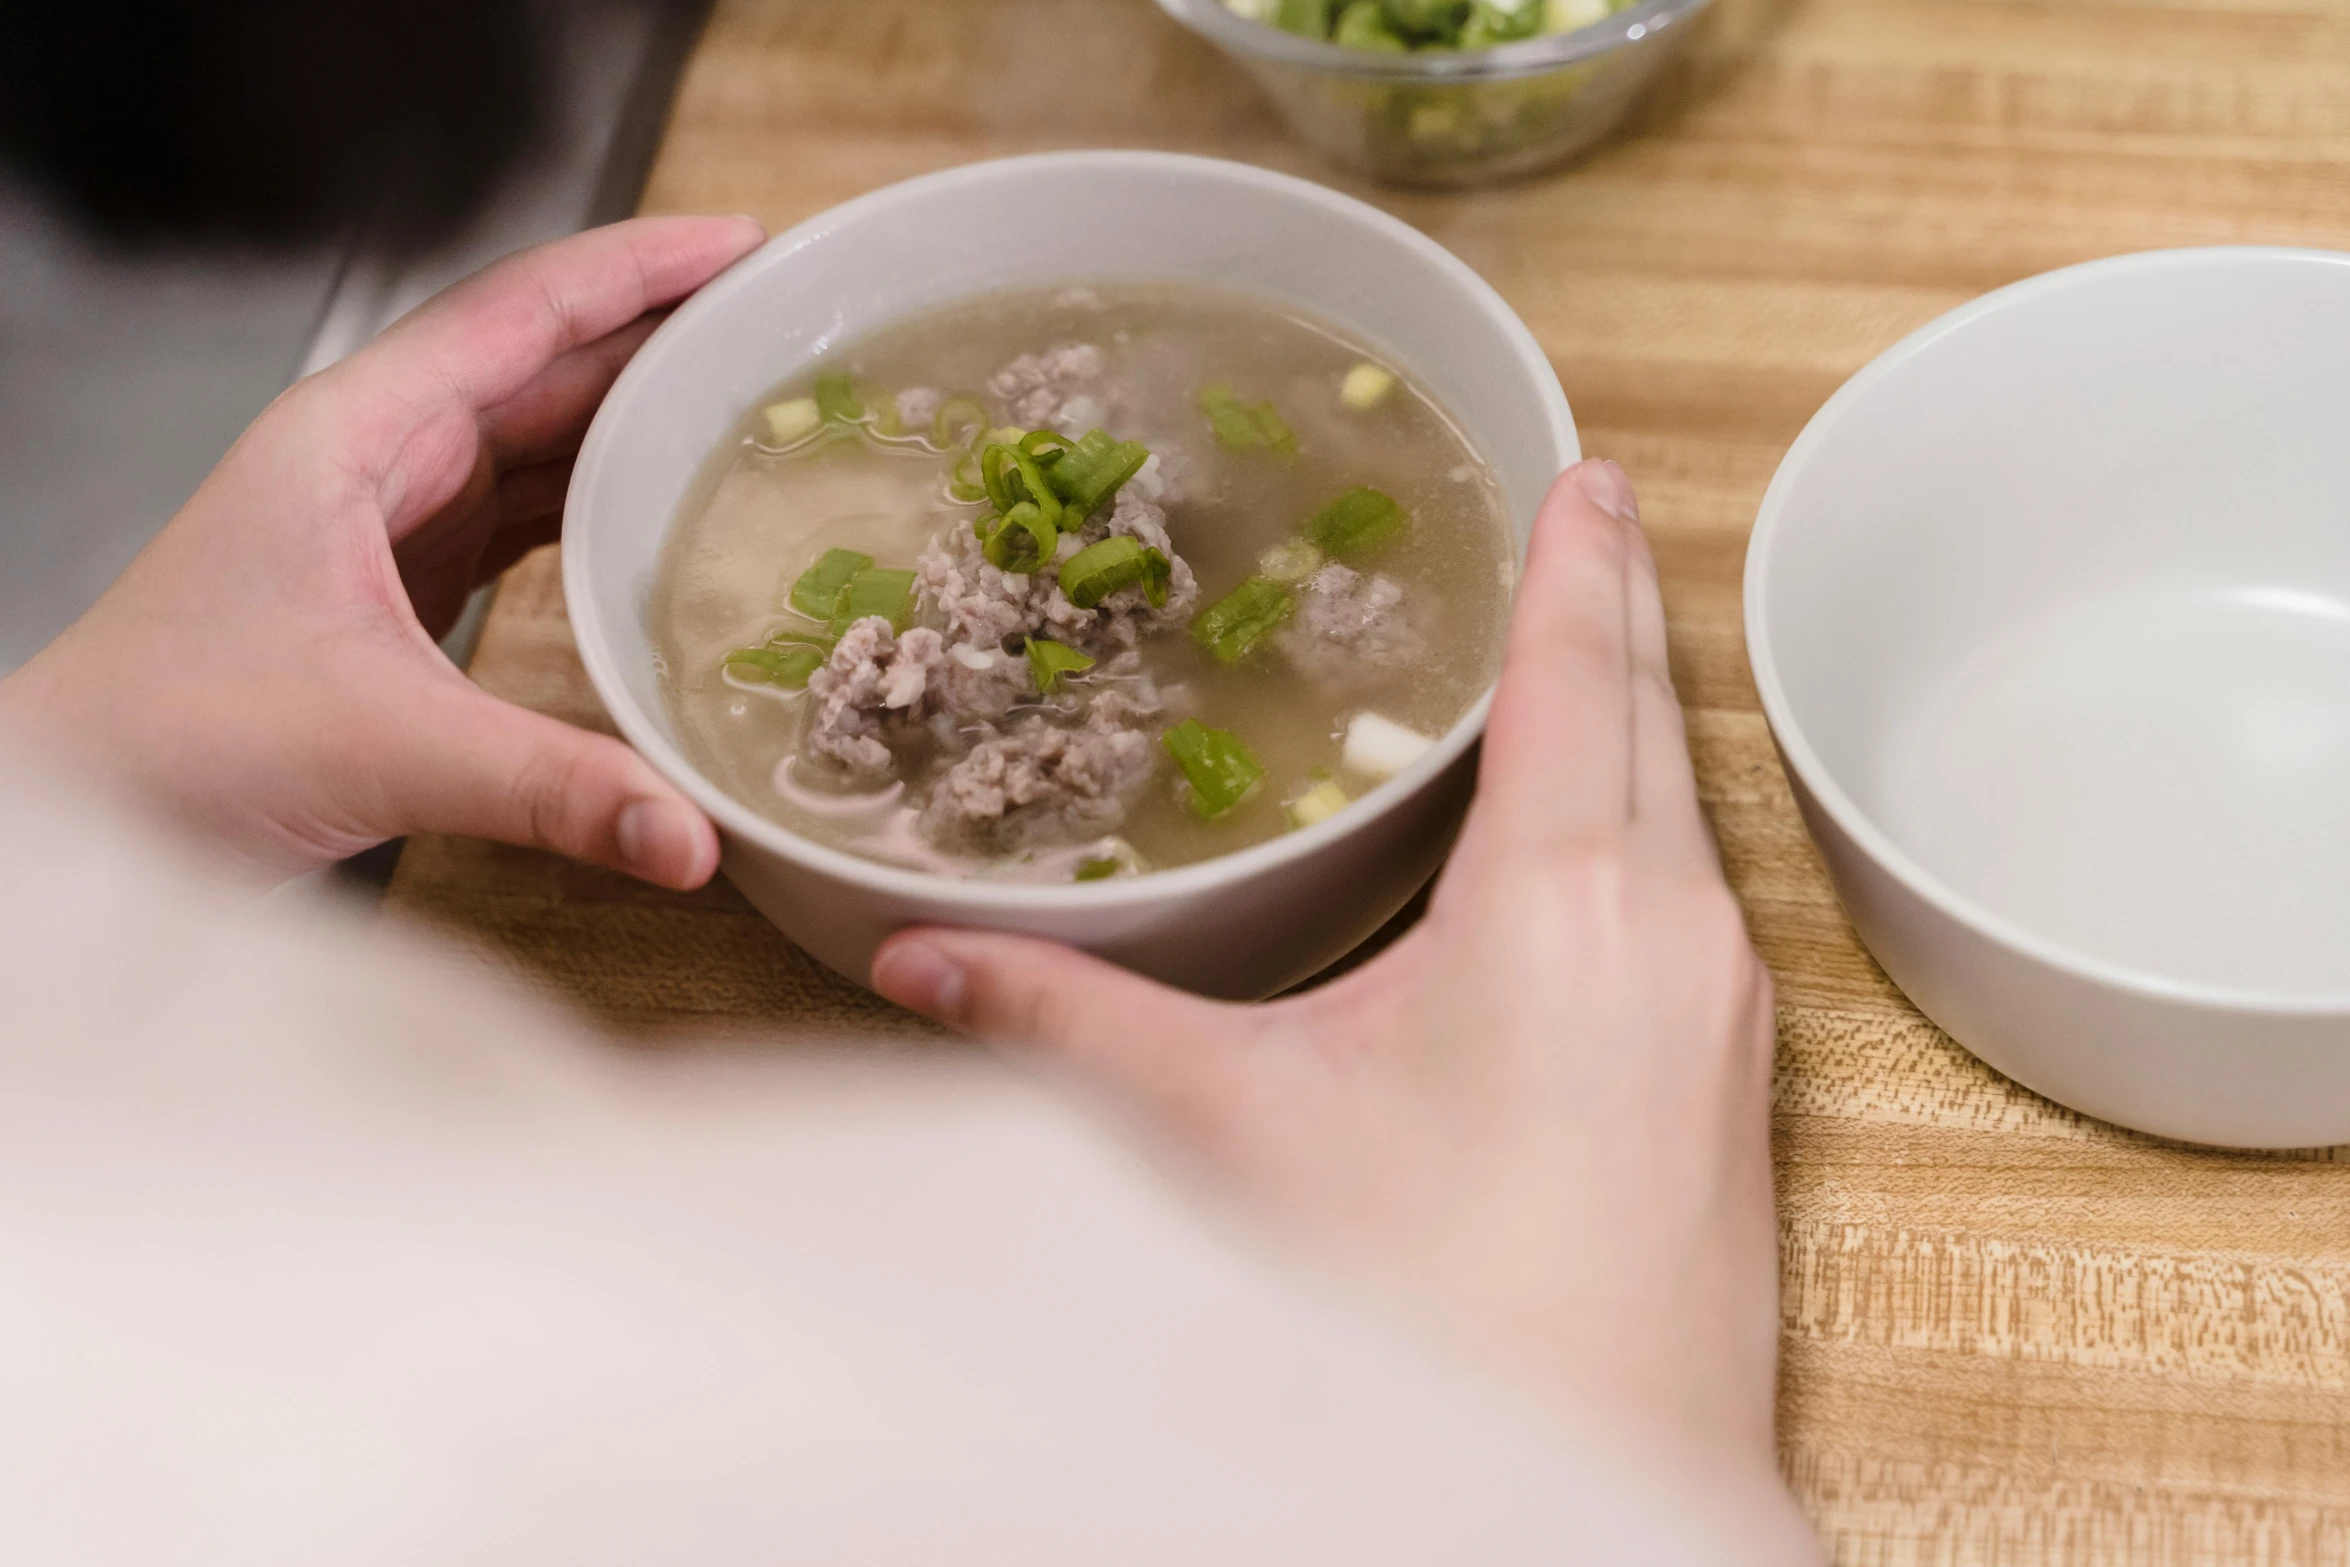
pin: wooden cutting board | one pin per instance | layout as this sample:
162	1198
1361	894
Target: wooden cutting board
2010	1335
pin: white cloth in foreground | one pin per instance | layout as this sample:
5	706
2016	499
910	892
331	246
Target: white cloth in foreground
316	1247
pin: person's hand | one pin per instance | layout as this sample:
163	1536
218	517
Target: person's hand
1546	1104
266	671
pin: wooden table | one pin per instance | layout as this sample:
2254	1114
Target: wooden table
2011	1335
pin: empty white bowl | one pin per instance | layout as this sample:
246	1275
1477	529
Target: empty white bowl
1245	925
2050	613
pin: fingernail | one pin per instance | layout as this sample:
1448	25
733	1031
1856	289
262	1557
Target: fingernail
1607	487
656	839
919	976
744	217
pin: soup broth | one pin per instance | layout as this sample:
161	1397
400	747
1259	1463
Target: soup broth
1276	572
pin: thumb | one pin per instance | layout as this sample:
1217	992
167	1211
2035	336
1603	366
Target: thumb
1131	1035
487	769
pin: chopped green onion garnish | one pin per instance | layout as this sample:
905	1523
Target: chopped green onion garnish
1011	476
836	400
883	592
1048	661
1323	801
1097	870
958	422
1356	523
1291	562
1363	25
1220	769
1440	20
1092	471
1233	624
995	469
1310	17
1245	427
817	592
1099	570
1365	385
1045	445
1018	541
963	482
1391	25
789	423
790	665
1491	24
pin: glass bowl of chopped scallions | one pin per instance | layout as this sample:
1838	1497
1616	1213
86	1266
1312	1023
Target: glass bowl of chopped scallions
1447	92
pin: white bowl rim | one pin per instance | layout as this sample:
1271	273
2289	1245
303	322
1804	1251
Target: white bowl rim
595	645
1806	763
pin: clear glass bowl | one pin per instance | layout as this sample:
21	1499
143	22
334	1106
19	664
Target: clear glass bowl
1439	118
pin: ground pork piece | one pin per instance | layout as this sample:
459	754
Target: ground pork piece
982	606
1347	625
917	407
975	686
1041	783
1059	389
872	693
990	608
1134	703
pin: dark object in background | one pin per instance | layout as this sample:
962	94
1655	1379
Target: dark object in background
268	122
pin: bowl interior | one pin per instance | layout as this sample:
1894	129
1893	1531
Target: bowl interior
2056	598
1019	222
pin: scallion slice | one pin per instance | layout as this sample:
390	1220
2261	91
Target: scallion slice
817	593
1045	445
1245	427
1291	562
1363	25
836	400
875	591
1233	624
1099	570
958	422
1365	386
1012	476
1097	870
1048	661
791	422
1019	540
1428	21
1219	768
963	480
1095	469
789	665
1356	523
1490	24
1310	17
1319	803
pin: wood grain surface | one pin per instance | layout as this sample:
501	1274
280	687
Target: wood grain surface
2011	1335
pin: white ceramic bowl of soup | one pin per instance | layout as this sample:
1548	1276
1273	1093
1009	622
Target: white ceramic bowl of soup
2050	613
1244	925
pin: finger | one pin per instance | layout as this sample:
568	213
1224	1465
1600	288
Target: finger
546	419
1664	786
1133	1036
474	765
490	336
1558	748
